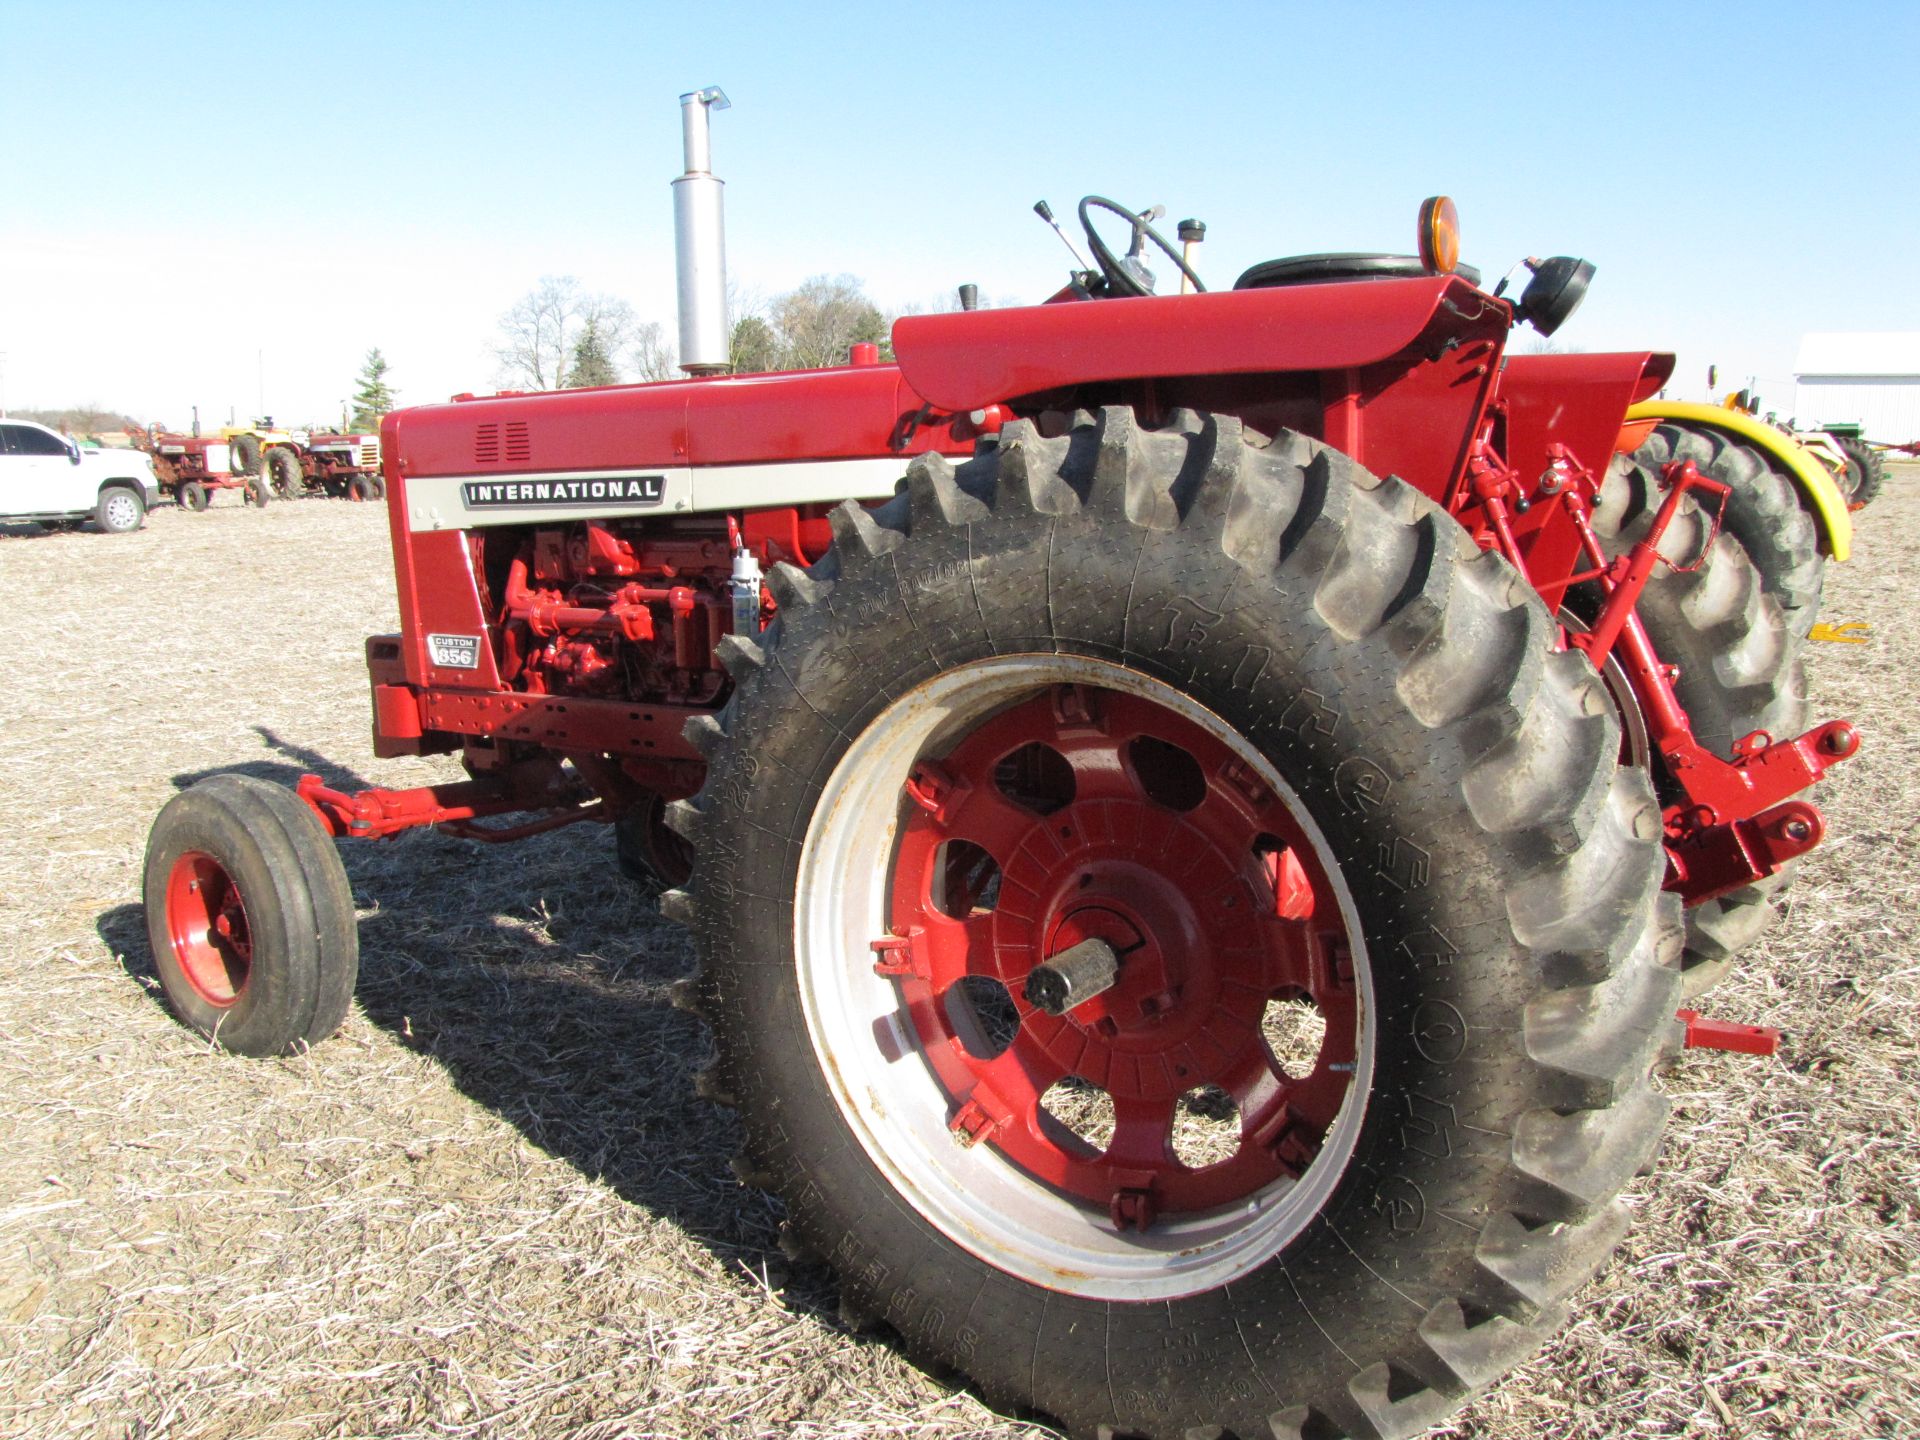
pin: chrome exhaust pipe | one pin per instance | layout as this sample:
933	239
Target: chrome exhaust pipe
700	242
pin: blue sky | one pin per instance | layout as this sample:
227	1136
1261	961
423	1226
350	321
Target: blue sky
200	197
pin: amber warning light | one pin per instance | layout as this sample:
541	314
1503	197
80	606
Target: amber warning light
1439	235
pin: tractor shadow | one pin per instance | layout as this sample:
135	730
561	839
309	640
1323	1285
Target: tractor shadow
536	975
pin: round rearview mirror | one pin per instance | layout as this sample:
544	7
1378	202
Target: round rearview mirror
1558	286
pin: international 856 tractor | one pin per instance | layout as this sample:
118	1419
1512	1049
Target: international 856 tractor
1281	708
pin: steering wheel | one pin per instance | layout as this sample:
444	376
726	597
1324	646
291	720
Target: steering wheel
1121	280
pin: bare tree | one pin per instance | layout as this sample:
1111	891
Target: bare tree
822	319
539	335
533	347
1544	345
612	320
948	301
653	354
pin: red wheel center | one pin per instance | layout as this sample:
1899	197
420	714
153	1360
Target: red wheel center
1085	815
207	926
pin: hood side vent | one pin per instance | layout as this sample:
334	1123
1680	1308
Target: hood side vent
486	445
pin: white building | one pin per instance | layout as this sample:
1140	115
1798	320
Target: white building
1865	377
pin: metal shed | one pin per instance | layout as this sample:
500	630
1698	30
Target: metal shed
1865	377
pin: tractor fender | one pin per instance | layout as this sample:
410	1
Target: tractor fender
968	359
1575	400
1817	488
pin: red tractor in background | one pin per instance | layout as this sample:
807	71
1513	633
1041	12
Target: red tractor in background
344	466
1279	706
192	467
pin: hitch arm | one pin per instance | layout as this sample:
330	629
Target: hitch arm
375	813
1625	578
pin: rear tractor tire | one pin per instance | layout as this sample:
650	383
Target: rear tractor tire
1740	671
244	453
1763	513
1349	925
250	917
284	473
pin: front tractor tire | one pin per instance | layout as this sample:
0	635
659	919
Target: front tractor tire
1356	920
244	453
648	853
250	917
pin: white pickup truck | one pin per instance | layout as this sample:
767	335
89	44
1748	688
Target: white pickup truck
45	477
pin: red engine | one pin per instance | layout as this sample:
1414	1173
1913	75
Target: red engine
630	610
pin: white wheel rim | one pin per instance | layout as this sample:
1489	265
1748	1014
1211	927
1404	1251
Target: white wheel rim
897	1108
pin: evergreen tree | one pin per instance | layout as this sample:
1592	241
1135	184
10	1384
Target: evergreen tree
755	348
592	365
375	397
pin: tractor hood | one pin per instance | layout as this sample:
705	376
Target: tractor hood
972	358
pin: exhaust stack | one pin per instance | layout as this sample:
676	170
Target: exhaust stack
700	242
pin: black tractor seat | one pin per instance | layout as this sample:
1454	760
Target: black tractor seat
1346	265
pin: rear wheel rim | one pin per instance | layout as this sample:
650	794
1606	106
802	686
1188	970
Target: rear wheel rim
947	835
208	929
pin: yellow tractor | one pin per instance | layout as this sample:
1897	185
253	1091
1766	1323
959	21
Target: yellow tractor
261	445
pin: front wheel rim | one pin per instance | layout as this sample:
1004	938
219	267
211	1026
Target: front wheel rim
959	1128
208	930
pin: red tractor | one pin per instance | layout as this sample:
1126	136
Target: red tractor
191	468
1277	713
344	466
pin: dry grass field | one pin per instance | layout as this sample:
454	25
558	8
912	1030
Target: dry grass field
489	1207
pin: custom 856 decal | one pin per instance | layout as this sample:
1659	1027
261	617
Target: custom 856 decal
454	652
600	490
